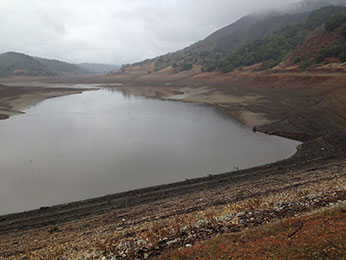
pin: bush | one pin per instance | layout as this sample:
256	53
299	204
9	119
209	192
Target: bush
321	56
227	68
210	67
270	64
332	52
204	54
335	22
185	66
335	50
342	56
305	64
318	17
343	30
297	60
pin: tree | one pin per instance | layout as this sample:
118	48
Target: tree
335	22
185	66
343	30
305	64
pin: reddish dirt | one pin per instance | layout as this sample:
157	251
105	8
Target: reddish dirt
311	47
318	236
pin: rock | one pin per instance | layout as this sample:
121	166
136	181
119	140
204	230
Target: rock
201	223
188	245
173	241
226	218
141	242
240	214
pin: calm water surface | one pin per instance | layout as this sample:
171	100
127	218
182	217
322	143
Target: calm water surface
101	142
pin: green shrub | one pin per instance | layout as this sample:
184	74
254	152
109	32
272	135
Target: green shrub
321	56
335	22
185	66
342	56
332	52
320	16
343	30
210	67
305	64
297	60
270	64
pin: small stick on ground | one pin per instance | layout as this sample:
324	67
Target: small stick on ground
296	231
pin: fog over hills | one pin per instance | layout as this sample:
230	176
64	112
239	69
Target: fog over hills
260	38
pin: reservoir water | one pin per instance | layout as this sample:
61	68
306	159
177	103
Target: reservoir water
101	142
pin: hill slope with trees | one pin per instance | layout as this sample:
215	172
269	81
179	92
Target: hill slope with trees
276	40
14	64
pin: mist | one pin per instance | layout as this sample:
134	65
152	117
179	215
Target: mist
116	31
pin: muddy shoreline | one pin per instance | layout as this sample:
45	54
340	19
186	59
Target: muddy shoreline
14	100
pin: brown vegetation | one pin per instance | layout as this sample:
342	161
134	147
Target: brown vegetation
320	235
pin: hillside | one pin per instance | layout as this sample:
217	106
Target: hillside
61	68
261	42
13	64
322	26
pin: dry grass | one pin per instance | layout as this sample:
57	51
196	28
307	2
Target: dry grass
320	235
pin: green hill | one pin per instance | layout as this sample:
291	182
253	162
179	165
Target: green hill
271	49
267	40
60	67
13	63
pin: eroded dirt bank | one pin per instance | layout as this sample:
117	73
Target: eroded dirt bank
147	222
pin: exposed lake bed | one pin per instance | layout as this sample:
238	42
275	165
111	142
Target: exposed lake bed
101	142
311	179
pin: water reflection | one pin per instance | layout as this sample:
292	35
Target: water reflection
101	142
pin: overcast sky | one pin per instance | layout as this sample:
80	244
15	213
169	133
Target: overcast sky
114	31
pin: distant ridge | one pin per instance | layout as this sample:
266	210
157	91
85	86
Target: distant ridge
99	68
14	64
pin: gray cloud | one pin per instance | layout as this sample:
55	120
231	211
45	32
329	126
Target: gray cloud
115	31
